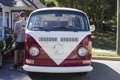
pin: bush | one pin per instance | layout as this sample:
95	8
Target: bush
106	41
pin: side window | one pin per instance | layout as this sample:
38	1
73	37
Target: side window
86	23
1	33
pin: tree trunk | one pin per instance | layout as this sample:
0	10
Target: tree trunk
98	25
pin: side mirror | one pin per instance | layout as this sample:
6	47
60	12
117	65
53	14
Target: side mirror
92	28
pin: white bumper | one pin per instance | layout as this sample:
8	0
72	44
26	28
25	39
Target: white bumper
57	69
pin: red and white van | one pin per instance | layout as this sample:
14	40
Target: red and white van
58	40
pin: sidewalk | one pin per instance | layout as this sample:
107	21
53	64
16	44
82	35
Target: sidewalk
105	57
99	50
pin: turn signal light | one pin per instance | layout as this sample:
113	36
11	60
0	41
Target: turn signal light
86	61
29	61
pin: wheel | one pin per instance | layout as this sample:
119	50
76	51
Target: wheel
1	59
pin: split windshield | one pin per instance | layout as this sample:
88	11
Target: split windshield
58	20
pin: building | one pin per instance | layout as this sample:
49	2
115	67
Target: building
10	8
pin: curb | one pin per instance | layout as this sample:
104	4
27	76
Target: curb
106	58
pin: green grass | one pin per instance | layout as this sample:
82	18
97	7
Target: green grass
108	53
104	41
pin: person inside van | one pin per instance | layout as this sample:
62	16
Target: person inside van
19	41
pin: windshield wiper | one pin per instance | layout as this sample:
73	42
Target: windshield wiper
73	29
60	28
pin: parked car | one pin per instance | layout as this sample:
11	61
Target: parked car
5	42
109	28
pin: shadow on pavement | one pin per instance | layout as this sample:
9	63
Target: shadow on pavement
46	76
7	74
100	72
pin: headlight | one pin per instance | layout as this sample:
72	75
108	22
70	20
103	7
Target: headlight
82	51
34	51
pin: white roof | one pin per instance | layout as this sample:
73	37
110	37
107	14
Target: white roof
58	8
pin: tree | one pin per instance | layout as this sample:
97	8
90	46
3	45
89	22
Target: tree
48	3
110	12
42	1
97	10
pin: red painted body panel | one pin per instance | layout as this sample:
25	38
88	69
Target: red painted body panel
44	60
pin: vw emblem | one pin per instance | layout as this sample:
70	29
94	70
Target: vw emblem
58	48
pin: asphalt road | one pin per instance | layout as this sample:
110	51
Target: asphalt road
103	70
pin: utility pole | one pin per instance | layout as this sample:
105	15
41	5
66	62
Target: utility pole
118	28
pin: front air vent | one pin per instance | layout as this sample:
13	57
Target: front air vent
48	39
55	39
69	39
